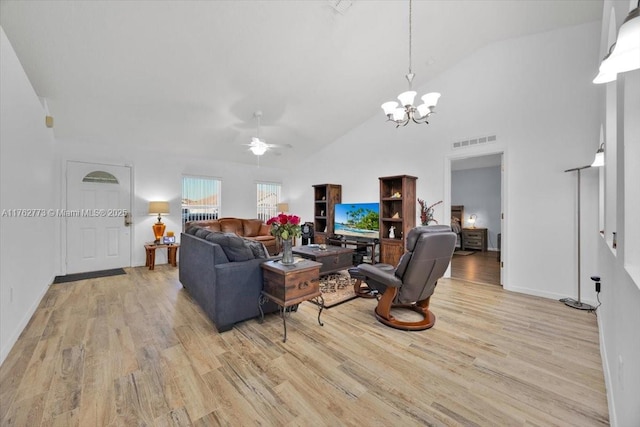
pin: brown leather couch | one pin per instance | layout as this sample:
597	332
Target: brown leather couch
253	229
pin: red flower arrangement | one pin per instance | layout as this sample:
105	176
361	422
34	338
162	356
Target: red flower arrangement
285	226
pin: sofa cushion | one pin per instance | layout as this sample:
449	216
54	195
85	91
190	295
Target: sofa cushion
202	233
251	227
213	226
258	249
232	245
231	225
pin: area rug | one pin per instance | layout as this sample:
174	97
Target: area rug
337	288
464	252
88	275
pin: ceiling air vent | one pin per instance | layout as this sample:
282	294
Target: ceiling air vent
340	6
472	142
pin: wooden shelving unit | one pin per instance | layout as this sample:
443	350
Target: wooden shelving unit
325	198
397	209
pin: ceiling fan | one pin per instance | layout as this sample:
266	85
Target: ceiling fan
257	145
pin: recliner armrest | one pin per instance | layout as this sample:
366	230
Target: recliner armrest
387	278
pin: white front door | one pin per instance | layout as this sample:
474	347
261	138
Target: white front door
97	217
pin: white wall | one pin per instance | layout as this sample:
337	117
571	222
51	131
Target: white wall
535	94
26	168
158	176
478	190
619	315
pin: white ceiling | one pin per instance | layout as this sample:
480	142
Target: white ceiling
188	75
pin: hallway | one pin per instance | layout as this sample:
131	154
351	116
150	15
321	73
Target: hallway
481	267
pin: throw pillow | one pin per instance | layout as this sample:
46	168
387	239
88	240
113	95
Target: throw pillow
202	233
232	245
258	249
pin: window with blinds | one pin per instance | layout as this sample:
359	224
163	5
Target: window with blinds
268	198
200	198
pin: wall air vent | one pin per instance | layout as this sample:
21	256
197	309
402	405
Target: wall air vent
473	142
340	6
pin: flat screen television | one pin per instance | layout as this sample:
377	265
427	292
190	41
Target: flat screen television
357	220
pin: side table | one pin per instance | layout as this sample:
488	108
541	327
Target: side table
289	285
474	238
172	254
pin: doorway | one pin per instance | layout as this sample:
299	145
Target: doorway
476	188
97	217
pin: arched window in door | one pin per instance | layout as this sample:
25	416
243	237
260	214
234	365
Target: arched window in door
100	177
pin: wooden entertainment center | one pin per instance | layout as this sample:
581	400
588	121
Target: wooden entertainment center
397	209
325	198
360	246
397	212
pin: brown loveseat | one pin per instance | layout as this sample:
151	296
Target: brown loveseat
253	229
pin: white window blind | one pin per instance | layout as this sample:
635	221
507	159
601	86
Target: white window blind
201	198
268	198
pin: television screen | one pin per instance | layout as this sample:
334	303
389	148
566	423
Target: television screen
357	220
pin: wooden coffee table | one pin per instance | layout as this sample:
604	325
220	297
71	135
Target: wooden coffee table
333	258
289	285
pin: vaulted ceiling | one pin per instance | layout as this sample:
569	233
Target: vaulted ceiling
188	75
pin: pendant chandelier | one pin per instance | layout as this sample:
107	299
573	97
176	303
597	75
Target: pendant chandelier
407	112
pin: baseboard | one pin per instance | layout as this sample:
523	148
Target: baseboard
544	294
607	376
4	352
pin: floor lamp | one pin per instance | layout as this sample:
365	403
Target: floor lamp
570	301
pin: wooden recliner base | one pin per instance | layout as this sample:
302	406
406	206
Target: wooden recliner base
362	292
385	304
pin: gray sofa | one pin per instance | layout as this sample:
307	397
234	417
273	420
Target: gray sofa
221	272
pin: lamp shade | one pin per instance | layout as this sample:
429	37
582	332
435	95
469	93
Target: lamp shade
283	207
431	99
398	114
258	150
604	77
599	159
406	98
157	208
626	53
389	107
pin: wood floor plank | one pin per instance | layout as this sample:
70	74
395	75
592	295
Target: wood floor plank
136	349
66	386
197	397
26	412
176	418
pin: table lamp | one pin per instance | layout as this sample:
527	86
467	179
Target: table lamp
158	208
472	220
283	207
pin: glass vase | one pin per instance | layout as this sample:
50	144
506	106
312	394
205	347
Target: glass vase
287	251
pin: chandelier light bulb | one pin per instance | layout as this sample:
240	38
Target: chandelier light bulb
407	98
398	114
258	150
389	107
431	99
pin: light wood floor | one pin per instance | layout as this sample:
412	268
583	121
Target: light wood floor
481	267
135	350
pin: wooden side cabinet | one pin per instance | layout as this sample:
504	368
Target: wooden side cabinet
325	198
398	210
474	238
